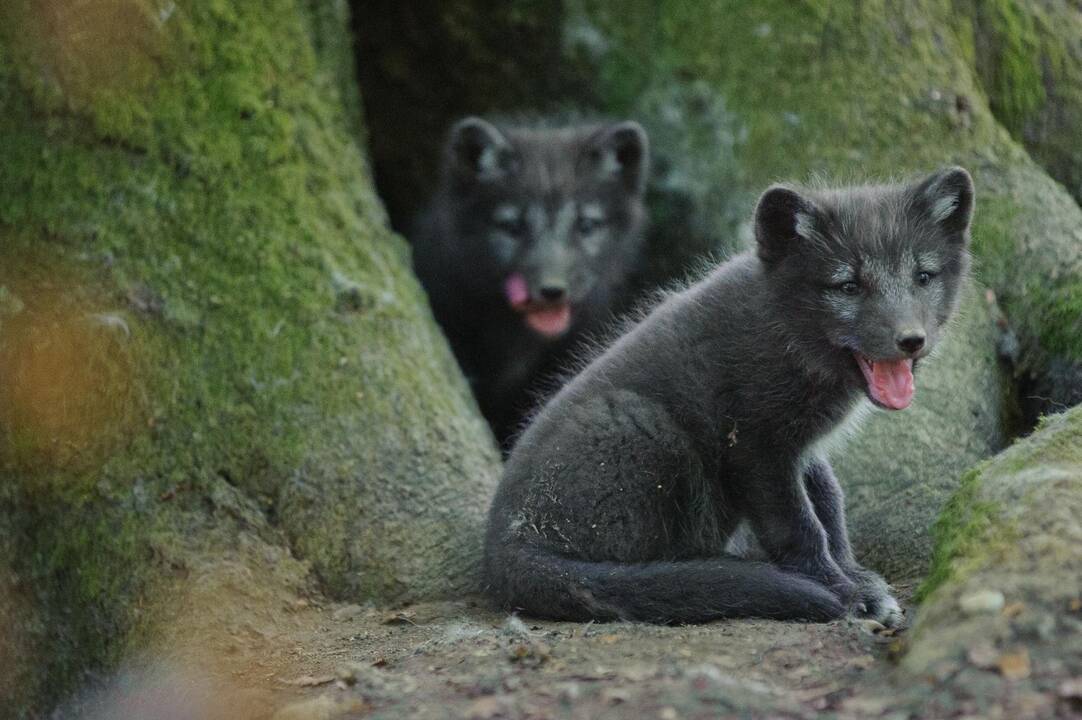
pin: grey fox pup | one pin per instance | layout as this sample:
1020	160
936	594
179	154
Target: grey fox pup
528	244
624	497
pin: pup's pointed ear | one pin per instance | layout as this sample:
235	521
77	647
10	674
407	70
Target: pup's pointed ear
620	151
476	150
783	219
946	197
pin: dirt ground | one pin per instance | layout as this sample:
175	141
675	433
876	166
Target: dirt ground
463	660
304	659
456	660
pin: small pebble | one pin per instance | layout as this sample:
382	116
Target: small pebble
615	696
983	655
1014	665
515	627
487	707
982	601
349	673
1071	689
871	626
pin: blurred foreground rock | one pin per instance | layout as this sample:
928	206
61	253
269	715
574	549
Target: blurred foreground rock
1013	530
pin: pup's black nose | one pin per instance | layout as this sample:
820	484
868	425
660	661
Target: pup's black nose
912	343
553	293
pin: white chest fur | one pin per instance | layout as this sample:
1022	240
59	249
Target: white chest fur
835	438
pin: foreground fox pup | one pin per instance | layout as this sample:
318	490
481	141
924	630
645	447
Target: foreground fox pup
624	497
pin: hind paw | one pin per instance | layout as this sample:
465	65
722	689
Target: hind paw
884	609
872	600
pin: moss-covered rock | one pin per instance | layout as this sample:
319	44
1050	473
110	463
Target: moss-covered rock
1028	57
1029	248
215	355
1002	611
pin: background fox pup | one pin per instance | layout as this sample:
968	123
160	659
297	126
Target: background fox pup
526	246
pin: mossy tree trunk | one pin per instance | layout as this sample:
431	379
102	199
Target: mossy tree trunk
214	360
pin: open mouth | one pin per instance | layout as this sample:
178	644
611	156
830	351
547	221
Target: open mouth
550	321
890	382
547	319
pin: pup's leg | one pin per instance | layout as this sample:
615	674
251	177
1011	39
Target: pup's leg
872	598
786	525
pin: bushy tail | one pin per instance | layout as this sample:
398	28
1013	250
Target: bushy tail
686	591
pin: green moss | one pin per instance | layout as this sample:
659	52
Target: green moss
961	529
993	242
1030	65
801	75
1061	306
227	155
88	596
975	524
1037	277
1057	440
1008	58
1052	300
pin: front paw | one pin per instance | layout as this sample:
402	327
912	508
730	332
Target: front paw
872	599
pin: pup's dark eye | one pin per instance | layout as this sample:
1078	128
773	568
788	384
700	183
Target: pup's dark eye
586	225
850	287
924	277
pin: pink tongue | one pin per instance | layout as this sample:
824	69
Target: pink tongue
550	321
891	383
516	291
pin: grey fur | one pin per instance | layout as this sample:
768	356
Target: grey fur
562	206
715	411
